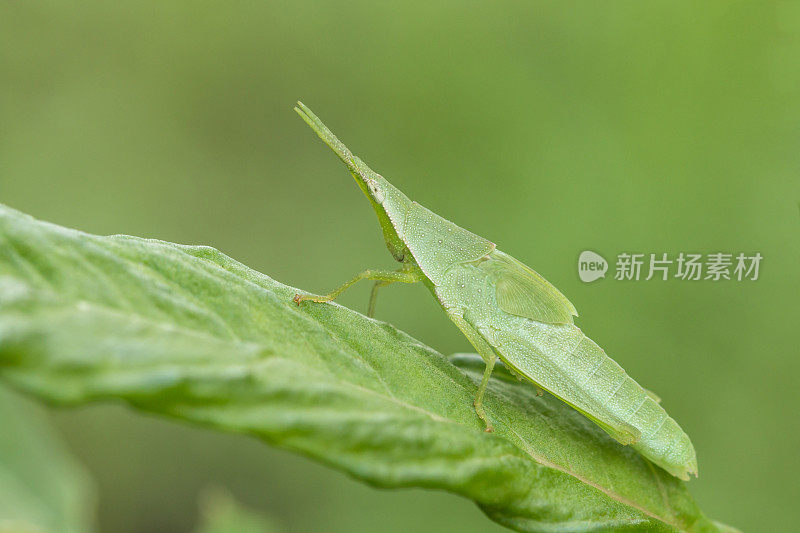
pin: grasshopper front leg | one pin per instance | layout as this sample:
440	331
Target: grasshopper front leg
373	296
382	278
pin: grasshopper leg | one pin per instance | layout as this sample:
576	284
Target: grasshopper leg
382	277
478	402
373	295
490	358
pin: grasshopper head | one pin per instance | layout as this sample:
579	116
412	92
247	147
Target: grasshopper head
383	196
389	203
372	184
375	190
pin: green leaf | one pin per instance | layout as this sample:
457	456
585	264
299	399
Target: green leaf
42	488
189	333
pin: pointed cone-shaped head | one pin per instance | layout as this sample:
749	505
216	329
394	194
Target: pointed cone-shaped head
388	202
373	184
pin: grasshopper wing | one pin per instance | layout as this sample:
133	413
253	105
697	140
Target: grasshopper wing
561	360
620	431
523	292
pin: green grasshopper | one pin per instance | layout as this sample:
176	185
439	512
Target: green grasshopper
510	312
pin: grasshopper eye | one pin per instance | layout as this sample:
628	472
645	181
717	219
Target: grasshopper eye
376	191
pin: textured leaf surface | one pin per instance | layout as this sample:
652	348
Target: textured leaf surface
187	332
42	488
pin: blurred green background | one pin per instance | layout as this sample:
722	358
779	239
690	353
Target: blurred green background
547	127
